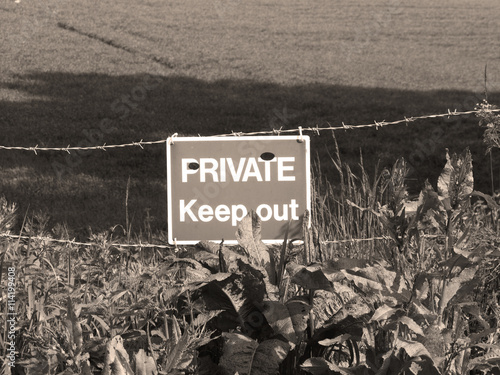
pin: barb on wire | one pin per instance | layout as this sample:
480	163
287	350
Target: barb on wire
317	129
139	144
409	119
314	129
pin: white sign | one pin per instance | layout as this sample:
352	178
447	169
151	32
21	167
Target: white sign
214	182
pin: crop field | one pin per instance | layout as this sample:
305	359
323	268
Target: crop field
417	294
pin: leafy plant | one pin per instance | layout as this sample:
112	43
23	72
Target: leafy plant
490	121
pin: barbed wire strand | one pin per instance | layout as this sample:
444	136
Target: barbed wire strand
316	130
351	240
372	239
87	244
149	245
36	148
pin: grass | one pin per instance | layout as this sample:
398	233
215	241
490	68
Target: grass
229	65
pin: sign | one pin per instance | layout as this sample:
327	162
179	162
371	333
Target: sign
214	182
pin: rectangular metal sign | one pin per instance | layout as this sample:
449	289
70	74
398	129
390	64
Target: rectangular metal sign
213	182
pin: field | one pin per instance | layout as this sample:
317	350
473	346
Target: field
407	287
220	66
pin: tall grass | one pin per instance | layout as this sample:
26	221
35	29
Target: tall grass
375	205
345	206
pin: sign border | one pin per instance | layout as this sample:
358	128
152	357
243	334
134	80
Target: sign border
172	140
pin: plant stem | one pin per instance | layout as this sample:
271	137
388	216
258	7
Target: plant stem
492	176
126	210
311	314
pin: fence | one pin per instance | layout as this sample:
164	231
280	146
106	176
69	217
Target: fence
300	130
159	246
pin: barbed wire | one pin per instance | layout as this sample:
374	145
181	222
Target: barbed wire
149	245
351	240
300	129
87	244
373	239
69	148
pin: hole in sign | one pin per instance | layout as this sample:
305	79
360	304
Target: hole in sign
267	156
194	166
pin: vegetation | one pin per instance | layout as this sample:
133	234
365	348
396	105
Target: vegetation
423	301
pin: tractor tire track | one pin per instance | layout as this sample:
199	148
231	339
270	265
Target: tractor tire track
162	61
